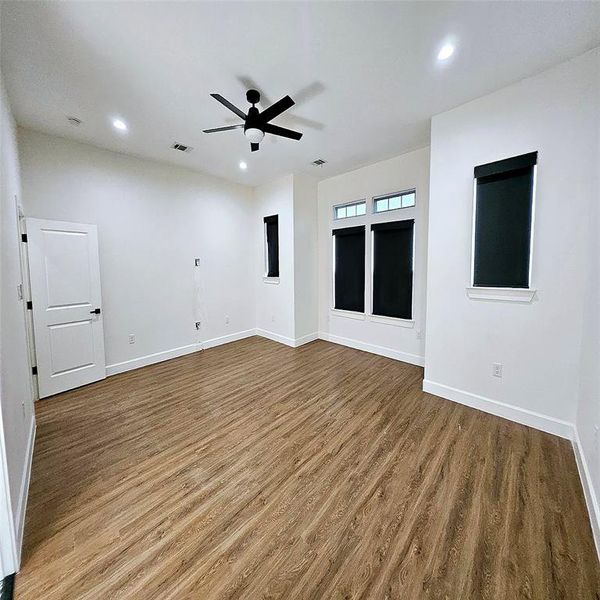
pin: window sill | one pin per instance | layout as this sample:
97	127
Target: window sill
502	294
396	321
347	314
271	280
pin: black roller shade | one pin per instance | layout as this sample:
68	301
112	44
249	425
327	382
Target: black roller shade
508	164
503	215
272	233
393	268
350	268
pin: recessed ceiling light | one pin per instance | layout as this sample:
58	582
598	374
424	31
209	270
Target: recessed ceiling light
243	166
119	124
446	51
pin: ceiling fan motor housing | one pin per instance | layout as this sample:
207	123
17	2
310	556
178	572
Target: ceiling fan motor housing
253	128
253	96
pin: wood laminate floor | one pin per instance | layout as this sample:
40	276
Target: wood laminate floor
257	471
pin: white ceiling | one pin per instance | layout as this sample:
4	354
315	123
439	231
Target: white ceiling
364	75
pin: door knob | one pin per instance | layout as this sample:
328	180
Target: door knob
96	311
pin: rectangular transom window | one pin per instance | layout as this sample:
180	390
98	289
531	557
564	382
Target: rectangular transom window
355	209
349	268
393	250
272	246
503	217
394	201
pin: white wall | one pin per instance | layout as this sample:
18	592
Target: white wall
275	315
306	296
588	413
555	113
153	220
403	172
16	394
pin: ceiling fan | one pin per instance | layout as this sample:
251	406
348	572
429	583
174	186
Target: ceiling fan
256	123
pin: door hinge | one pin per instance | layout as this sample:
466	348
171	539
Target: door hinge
24	237
29	305
34	370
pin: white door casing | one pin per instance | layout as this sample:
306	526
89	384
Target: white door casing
65	291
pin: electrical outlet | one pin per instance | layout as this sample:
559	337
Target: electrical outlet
497	370
226	320
196	262
131	338
197	324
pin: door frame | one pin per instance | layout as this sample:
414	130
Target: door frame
26	291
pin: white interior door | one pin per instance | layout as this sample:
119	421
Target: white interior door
67	316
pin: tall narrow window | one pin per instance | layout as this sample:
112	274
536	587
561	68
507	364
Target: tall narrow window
272	246
503	222
393	268
349	268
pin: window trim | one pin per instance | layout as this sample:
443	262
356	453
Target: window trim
352	203
509	294
371	217
393	195
342	312
398	321
266	277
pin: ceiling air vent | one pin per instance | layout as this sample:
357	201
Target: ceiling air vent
74	121
181	147
318	163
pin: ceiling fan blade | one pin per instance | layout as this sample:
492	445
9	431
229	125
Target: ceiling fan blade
253	147
230	106
276	109
215	129
282	131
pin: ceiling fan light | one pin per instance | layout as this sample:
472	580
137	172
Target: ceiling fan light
254	135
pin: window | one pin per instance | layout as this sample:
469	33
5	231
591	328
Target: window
393	251
503	222
394	201
356	209
349	268
272	246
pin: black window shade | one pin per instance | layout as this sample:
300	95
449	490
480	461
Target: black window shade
503	218
272	236
393	269
350	268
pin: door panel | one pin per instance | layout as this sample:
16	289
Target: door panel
65	289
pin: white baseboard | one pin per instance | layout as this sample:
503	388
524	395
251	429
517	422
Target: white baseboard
276	337
305	339
523	416
288	341
588	490
413	359
24	491
226	339
150	359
